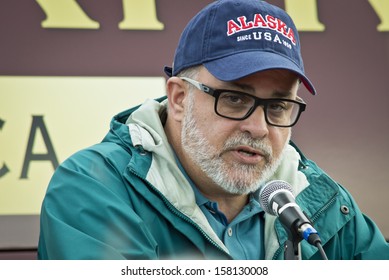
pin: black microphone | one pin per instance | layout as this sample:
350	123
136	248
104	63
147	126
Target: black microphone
276	198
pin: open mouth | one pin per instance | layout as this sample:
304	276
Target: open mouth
247	153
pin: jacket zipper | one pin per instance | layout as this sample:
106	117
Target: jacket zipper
323	209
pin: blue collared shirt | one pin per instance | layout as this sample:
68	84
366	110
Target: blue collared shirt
244	235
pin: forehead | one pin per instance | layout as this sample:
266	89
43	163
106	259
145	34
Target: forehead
277	80
279	74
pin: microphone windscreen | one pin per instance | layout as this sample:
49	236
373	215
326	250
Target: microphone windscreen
268	190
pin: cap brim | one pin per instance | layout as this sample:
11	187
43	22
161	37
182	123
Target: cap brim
168	71
247	63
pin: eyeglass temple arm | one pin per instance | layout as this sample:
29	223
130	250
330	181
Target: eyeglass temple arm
198	85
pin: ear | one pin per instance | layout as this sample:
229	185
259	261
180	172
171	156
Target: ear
176	93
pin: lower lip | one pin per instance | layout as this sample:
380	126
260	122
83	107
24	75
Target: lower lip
247	159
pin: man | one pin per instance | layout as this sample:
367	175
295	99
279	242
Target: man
179	178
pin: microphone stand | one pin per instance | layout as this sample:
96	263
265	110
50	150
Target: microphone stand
292	246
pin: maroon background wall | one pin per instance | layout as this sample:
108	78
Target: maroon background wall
345	128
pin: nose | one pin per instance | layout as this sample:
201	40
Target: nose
256	124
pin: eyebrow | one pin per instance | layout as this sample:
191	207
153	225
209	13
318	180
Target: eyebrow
249	89
243	87
282	94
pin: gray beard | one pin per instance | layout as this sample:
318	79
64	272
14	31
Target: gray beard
234	178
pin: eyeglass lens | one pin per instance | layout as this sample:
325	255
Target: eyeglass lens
238	106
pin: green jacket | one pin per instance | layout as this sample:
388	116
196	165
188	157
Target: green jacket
125	198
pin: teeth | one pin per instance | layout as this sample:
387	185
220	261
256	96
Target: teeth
246	153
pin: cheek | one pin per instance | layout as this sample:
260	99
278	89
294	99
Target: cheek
214	128
278	138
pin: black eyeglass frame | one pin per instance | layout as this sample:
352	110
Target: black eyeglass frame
257	102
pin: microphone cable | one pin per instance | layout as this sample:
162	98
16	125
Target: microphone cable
321	250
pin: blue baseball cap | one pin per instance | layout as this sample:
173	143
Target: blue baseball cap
234	39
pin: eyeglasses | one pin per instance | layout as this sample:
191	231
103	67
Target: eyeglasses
236	105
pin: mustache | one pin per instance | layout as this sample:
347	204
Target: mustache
246	140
